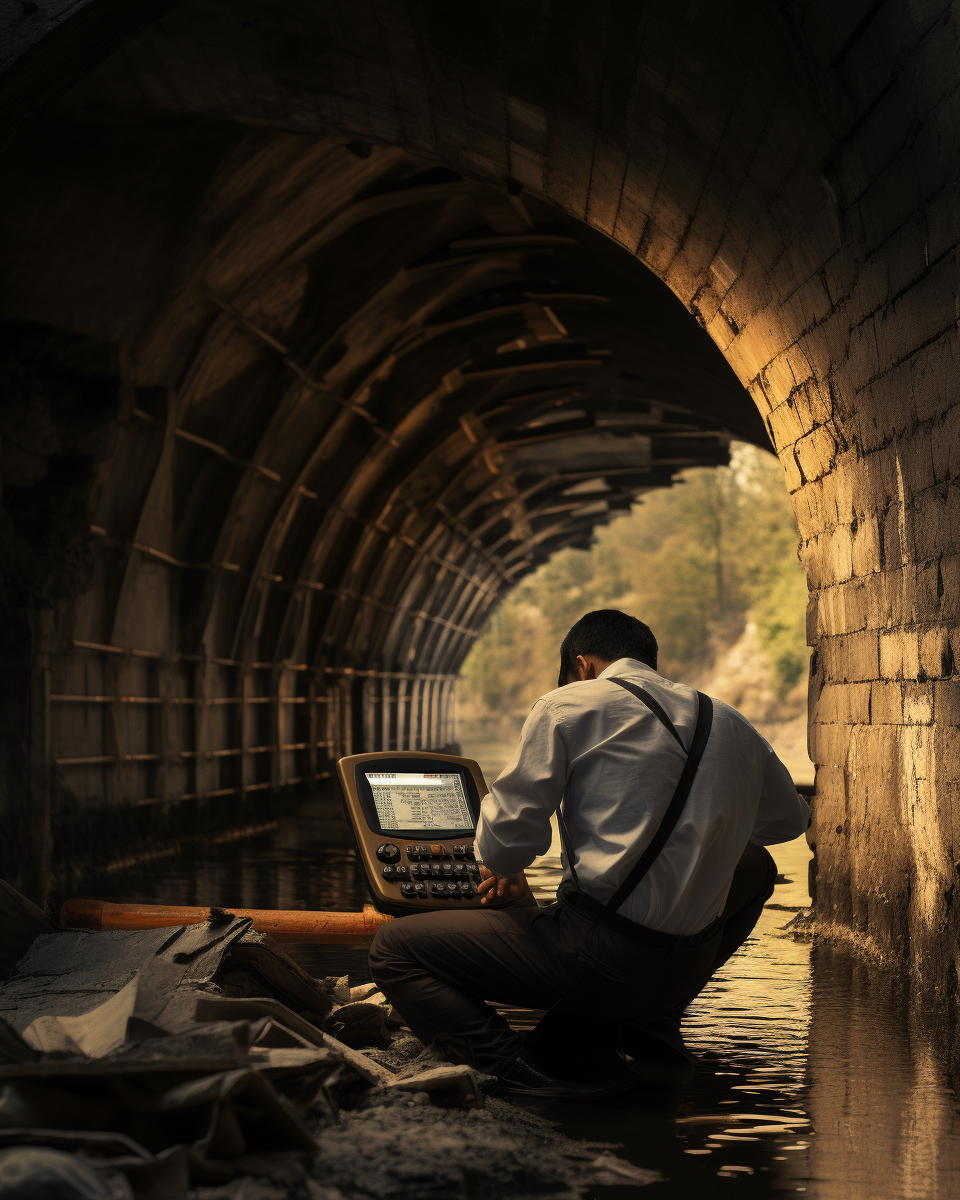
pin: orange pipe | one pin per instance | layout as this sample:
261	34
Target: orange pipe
290	925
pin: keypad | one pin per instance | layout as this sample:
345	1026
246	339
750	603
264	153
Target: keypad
435	872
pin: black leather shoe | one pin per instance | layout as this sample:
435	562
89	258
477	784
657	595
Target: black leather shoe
527	1075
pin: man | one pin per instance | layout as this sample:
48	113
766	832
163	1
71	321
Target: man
613	743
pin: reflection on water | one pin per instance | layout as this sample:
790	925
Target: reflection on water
893	1127
814	1076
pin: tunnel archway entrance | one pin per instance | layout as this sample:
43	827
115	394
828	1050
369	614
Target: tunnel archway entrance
789	173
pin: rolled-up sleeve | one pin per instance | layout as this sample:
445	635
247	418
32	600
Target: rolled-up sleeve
514	824
782	814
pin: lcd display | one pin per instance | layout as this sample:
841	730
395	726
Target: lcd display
410	800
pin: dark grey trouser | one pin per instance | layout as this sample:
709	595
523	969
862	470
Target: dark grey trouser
438	969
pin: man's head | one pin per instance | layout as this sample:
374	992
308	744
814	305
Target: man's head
600	638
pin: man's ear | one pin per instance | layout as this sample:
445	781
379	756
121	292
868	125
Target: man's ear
585	670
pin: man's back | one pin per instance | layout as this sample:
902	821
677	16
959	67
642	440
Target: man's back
617	766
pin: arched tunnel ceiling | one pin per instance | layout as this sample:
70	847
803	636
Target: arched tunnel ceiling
360	395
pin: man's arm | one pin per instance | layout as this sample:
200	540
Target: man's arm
782	815
514	824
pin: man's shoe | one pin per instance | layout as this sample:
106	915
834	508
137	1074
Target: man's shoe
526	1075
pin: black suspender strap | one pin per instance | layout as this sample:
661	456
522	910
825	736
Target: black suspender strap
675	807
654	707
700	735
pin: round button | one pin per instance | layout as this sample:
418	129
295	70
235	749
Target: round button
388	852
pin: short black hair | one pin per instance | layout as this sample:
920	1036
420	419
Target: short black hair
608	634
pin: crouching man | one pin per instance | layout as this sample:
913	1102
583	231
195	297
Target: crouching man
666	800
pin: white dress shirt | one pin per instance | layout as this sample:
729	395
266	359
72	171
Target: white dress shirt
615	766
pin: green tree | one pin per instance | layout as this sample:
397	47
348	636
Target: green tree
695	561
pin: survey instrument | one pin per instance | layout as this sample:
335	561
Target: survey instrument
414	814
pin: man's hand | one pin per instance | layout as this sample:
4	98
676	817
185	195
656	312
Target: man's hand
513	890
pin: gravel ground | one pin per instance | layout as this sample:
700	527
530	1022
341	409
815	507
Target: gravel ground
395	1143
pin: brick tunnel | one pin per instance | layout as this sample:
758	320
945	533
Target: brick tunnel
323	324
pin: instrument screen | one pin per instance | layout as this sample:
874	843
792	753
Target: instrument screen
413	801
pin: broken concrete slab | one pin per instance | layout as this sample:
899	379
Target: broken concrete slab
82	992
70	973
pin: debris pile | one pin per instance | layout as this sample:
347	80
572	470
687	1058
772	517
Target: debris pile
202	1061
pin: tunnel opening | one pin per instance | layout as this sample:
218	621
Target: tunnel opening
710	564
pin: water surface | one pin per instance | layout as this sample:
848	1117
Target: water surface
814	1074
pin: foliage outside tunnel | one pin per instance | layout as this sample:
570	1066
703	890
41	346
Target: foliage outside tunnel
710	565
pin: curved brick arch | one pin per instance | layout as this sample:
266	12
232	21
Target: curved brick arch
790	174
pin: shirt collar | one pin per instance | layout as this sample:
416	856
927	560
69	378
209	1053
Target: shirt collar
626	665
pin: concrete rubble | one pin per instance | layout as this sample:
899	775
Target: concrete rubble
201	1061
